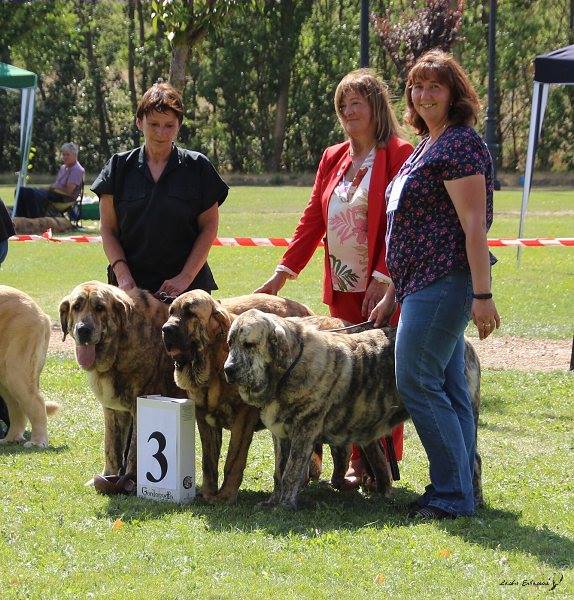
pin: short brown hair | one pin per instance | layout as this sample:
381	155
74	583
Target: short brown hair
369	85
442	67
161	97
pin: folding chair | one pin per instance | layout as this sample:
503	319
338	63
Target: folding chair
72	208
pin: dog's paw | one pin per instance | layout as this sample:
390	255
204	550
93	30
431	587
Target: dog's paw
12	440
206	496
225	498
268	504
39	444
293	504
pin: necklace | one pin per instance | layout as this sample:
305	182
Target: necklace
430	141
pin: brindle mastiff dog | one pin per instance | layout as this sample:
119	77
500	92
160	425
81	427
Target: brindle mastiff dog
312	384
118	343
195	336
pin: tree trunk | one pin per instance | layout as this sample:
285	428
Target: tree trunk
182	45
98	90
142	44
280	122
291	21
131	67
131	54
178	65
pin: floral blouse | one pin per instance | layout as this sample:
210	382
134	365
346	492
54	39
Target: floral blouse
347	230
425	240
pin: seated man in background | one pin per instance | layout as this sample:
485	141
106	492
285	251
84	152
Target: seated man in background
33	202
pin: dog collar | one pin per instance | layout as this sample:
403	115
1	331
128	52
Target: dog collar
285	375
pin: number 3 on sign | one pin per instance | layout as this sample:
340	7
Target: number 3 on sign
159	456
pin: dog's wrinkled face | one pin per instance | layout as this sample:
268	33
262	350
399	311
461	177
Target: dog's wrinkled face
195	324
94	314
257	348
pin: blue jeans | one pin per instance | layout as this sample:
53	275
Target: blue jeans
3	250
429	356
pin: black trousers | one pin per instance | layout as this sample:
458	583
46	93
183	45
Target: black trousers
33	202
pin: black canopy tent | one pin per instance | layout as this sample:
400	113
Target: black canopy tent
556	67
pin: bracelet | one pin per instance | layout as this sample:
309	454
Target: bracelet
487	296
382	278
119	260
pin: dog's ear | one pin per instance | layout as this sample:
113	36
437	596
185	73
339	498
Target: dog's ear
278	344
64	316
122	309
219	322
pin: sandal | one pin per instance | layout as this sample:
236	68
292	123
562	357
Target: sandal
110	485
425	513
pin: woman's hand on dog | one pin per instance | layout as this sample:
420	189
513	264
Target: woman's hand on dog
273	284
384	308
175	286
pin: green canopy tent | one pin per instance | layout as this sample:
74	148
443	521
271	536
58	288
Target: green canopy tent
14	78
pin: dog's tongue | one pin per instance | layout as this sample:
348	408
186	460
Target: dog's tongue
86	355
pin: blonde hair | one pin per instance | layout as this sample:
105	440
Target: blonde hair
370	86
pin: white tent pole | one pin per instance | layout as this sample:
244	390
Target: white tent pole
530	156
26	120
543	104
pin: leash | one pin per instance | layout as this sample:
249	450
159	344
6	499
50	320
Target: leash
392	457
388	450
364	325
388	447
163	297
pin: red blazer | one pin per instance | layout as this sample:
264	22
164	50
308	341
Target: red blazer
312	225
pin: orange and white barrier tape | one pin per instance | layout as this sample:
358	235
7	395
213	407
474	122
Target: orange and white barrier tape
284	242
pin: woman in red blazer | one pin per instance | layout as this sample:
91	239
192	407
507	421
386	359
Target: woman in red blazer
347	209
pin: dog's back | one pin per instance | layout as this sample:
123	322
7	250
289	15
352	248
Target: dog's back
25	335
284	307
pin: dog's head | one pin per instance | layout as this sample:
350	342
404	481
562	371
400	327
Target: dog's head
195	336
259	352
95	314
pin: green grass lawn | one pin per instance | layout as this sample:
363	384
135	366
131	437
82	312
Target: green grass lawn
534	300
58	540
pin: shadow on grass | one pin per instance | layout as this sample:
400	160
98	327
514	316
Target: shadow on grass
322	508
325	509
12	448
498	529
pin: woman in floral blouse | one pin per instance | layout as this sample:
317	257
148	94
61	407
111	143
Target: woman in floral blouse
439	208
347	209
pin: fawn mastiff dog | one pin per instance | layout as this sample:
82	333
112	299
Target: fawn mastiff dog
24	338
118	344
311	385
195	336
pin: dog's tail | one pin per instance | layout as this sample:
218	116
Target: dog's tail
51	407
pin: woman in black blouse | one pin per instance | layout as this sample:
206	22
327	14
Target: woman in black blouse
159	205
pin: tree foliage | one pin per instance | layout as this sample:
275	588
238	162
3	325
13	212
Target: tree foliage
423	26
259	88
